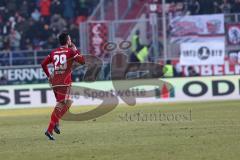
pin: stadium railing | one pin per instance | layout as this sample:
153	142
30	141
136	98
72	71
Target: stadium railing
105	11
22	57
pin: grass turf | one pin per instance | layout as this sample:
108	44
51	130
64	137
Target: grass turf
213	132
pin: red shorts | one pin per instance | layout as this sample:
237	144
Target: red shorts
62	93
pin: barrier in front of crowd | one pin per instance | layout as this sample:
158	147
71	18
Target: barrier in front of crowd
94	93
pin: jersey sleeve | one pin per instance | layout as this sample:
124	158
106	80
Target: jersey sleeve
78	57
45	63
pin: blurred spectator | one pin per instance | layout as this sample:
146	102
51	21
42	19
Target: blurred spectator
225	7
1	42
85	7
56	7
45	8
206	7
236	6
14	39
58	22
136	45
107	69
142	55
133	57
178	70
11	6
6	43
168	69
2	5
192	72
69	7
194	7
36	15
12	23
24	9
216	8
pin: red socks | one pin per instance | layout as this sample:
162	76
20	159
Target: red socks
57	114
53	121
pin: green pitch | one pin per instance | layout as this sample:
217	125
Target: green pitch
186	131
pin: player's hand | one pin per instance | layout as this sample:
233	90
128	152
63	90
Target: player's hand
73	46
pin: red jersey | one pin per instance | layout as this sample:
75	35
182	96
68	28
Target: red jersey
62	59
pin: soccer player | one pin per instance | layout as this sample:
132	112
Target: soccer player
62	59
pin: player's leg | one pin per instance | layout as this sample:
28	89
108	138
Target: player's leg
59	112
67	102
55	116
54	120
66	105
62	95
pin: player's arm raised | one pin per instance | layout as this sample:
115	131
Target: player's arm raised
78	57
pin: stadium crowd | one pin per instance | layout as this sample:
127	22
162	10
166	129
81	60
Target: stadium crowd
196	7
34	24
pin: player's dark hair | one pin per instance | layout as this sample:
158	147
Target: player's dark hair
63	37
